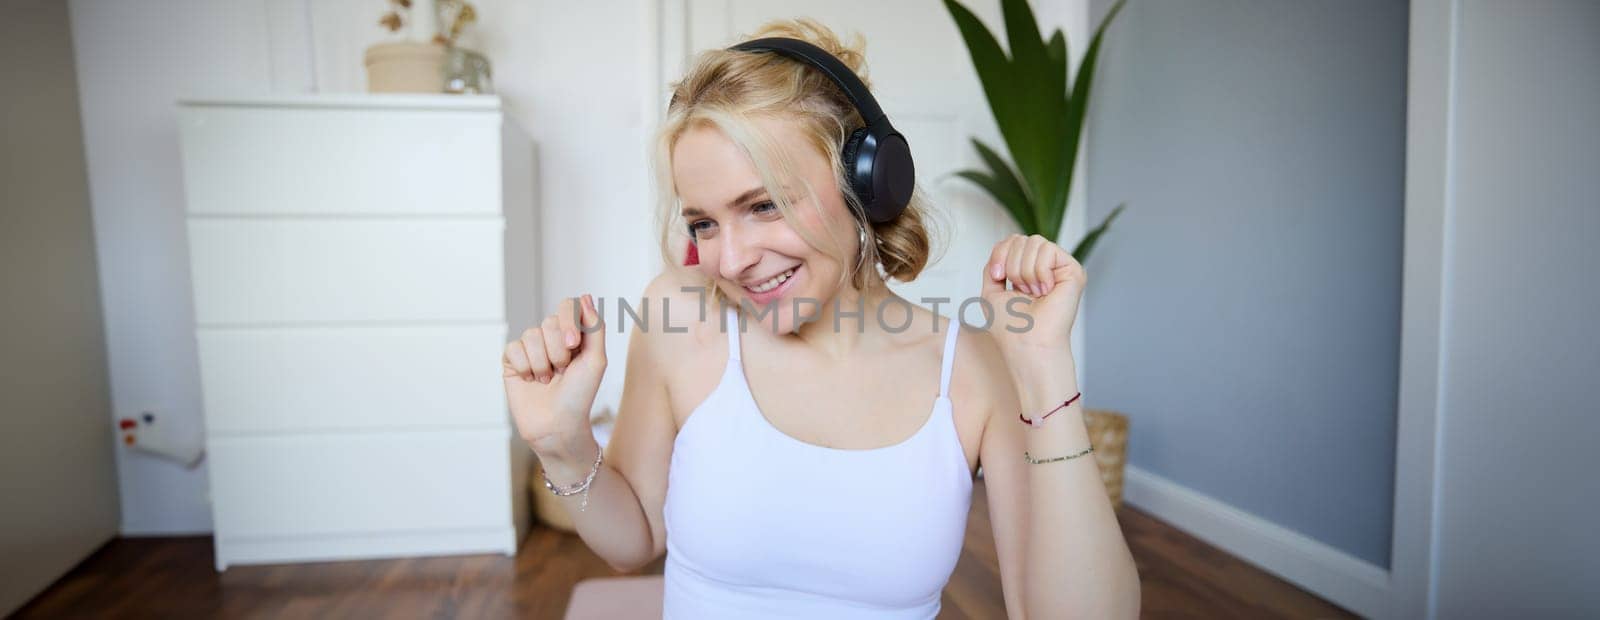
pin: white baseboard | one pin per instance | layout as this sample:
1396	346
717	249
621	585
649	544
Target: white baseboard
1350	582
142	530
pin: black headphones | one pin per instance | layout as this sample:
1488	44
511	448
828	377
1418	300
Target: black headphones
877	160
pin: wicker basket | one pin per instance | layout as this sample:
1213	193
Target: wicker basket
1108	433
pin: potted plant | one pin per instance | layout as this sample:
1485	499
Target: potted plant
1041	116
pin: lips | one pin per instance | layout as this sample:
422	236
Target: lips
768	296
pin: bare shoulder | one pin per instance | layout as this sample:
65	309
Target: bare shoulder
977	358
673	317
981	380
980	386
683	339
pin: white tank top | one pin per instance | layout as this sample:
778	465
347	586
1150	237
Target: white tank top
762	525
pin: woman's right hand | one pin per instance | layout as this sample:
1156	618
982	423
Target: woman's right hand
552	374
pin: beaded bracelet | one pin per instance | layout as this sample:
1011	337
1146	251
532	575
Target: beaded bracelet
1033	461
581	487
1039	421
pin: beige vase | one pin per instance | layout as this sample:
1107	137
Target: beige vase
406	67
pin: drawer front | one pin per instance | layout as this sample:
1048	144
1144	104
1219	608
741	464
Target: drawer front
293	379
255	270
319	161
308	485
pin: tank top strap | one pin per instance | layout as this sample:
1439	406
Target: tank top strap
947	363
730	323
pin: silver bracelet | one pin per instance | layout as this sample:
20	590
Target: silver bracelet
581	487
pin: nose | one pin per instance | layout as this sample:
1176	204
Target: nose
740	251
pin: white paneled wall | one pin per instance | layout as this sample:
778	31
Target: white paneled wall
573	74
133	61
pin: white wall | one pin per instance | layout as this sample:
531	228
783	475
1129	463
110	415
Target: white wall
1516	493
1494	497
573	74
56	474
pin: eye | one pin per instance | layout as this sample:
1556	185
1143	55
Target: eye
765	207
699	229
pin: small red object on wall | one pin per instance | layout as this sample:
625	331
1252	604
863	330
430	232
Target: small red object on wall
692	257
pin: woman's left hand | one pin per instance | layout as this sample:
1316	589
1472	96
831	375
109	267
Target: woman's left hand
1033	320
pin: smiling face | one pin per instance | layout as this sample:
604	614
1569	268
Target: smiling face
751	252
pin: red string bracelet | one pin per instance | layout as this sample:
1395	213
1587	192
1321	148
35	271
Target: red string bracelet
1039	421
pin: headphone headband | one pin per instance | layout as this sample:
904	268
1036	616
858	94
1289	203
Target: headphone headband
829	65
876	158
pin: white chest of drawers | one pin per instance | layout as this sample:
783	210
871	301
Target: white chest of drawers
356	262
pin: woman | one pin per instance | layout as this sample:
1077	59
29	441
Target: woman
818	463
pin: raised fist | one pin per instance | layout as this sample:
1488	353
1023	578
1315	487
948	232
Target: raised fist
553	372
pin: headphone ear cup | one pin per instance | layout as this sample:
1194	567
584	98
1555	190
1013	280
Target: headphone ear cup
893	176
858	173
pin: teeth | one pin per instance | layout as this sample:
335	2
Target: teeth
773	283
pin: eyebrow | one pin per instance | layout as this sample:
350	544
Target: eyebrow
747	195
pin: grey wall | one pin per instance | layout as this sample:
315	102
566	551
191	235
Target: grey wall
58	490
1244	310
1517	499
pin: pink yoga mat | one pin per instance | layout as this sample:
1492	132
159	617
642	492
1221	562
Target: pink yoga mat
616	598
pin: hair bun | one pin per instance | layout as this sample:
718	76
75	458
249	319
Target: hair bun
853	53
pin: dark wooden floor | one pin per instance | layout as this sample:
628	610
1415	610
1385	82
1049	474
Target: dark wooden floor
173	578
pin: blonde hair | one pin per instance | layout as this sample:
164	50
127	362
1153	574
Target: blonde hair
727	90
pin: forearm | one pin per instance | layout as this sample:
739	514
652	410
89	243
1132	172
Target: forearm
613	523
1078	564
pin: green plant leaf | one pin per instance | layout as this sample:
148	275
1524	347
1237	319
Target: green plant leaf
1040	110
1033	129
1058	62
993	68
1081	253
1028	114
1022	34
998	166
1076	111
1014	203
1013	193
